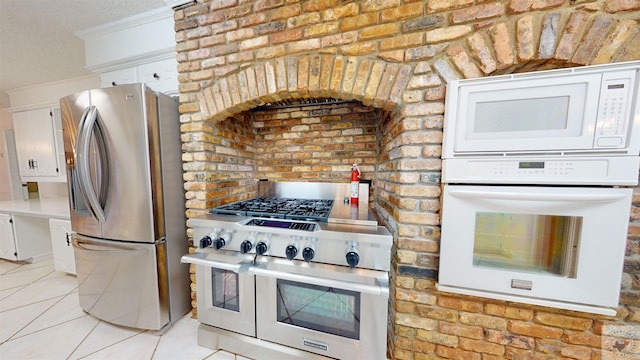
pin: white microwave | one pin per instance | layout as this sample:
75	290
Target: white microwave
581	124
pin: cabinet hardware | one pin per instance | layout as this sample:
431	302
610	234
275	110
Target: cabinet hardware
113	83
68	240
156	76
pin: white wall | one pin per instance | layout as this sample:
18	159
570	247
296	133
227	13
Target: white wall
5	123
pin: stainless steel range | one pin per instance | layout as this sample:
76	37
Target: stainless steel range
295	274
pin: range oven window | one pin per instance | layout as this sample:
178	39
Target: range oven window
325	309
224	287
528	243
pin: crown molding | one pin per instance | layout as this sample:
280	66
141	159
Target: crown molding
126	23
134	61
177	4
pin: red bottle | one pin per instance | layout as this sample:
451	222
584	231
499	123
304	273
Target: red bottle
355	183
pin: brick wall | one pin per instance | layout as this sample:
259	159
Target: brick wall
395	57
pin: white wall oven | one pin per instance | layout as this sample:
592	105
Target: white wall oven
534	204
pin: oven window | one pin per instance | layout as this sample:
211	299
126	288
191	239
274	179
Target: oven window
329	310
528	243
224	287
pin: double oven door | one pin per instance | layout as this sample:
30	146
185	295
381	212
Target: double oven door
225	290
329	310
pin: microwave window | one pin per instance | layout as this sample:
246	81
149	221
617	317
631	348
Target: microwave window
538	114
527	243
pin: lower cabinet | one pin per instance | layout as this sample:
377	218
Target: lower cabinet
7	238
63	258
24	238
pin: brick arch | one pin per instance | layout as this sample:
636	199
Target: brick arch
375	83
544	41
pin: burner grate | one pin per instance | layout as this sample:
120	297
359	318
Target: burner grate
281	208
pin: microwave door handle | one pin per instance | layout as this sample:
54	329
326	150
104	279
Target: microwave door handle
541	196
200	259
377	290
83	165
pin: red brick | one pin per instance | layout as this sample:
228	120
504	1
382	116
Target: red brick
481	346
534	330
459	304
563	321
459	354
571	35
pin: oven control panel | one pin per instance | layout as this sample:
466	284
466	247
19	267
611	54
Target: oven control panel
295	241
540	170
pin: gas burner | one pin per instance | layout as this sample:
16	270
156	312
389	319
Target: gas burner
280	208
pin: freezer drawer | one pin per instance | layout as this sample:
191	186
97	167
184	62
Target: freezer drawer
119	282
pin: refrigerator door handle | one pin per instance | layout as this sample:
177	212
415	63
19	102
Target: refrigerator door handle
76	190
122	249
91	124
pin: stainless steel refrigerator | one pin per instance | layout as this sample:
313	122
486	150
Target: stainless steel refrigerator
124	170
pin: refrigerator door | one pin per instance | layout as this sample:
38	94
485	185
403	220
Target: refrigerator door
113	161
119	282
74	110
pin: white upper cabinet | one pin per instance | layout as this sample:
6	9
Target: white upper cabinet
118	77
136	49
39	145
161	76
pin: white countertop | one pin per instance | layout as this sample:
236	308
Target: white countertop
57	208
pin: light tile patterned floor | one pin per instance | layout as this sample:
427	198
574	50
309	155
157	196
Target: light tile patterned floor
40	319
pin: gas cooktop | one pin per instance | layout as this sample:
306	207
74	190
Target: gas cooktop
281	208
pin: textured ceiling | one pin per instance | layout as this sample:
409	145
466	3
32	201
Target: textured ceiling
37	41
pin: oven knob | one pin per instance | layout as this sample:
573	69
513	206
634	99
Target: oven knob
246	246
219	243
261	248
291	252
308	253
205	242
352	258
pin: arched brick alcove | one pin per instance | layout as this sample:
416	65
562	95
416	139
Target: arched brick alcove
396	57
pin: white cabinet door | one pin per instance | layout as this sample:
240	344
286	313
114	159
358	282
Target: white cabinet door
59	145
35	143
63	259
33	240
118	77
7	238
161	76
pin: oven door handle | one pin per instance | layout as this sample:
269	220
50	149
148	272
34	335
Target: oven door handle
382	287
480	194
201	259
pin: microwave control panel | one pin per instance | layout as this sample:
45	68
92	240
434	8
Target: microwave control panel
613	109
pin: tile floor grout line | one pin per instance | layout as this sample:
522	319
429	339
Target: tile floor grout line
106	347
34	319
83	339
